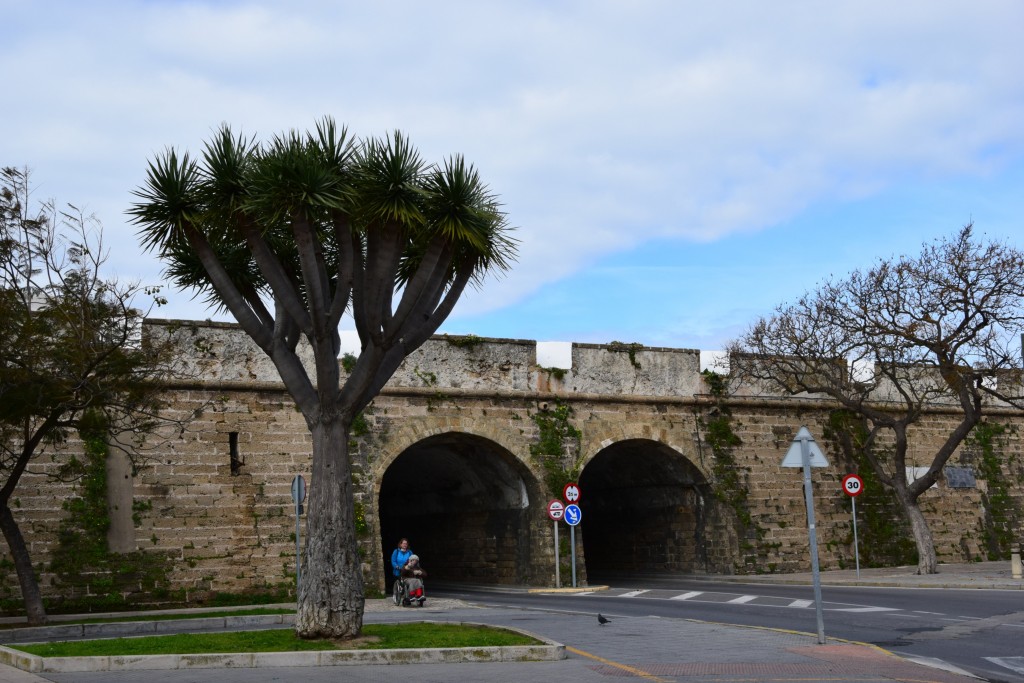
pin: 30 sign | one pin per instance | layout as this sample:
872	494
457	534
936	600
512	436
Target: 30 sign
852	485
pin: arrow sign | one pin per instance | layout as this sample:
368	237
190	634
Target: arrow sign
795	459
573	514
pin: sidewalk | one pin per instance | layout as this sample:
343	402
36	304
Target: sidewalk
992	575
646	648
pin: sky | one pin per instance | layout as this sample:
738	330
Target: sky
674	169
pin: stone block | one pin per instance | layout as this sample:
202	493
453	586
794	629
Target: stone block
144	663
286	659
217	661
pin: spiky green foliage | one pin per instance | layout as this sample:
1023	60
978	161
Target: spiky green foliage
289	235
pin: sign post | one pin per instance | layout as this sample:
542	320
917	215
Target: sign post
804	452
852	486
298	495
556	509
573	515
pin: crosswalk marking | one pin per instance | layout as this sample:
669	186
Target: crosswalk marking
733	599
1011	663
687	596
742	599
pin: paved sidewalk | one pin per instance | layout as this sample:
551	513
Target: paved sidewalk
995	575
643	648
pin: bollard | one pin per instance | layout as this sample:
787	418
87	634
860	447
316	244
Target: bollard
1015	567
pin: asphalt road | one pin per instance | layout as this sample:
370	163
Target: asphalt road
979	631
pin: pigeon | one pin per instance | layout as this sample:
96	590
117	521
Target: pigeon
602	620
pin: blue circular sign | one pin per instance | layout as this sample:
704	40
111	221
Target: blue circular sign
572	514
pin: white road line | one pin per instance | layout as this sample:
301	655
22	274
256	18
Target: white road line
801	603
632	594
585	593
1011	663
742	599
940	664
866	609
687	596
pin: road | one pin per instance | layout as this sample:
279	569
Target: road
979	631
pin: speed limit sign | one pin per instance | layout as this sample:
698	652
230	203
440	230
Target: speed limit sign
852	485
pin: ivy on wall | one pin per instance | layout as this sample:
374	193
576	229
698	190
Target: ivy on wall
630	349
728	485
88	576
557	446
1002	513
463	341
883	534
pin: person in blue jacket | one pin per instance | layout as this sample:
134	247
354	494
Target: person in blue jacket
400	556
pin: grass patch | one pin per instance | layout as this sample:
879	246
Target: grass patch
256	611
374	637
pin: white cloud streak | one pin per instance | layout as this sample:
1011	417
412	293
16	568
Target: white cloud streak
601	124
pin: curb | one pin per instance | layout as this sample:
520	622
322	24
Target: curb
884	583
549	651
33	634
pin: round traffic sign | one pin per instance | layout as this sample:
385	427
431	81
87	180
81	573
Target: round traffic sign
571	492
298	489
573	514
556	509
852	485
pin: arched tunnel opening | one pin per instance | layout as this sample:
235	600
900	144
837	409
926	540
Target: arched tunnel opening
464	504
645	510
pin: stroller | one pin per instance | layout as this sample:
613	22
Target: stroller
408	589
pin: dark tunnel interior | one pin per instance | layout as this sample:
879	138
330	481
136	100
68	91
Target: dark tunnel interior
644	511
463	503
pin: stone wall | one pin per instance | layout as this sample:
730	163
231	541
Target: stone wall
444	456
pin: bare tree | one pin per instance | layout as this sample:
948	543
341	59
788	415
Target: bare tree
889	343
290	234
70	354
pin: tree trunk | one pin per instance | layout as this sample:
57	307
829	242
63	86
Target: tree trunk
330	601
926	562
23	565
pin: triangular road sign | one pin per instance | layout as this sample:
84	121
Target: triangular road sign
795	459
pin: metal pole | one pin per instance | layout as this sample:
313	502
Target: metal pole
572	543
856	546
558	559
805	453
298	553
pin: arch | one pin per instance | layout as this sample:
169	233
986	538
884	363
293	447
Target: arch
469	507
646	509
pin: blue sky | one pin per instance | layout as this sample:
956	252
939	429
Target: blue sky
675	168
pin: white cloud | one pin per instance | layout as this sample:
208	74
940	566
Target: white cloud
601	124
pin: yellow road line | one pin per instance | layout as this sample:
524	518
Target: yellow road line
624	667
